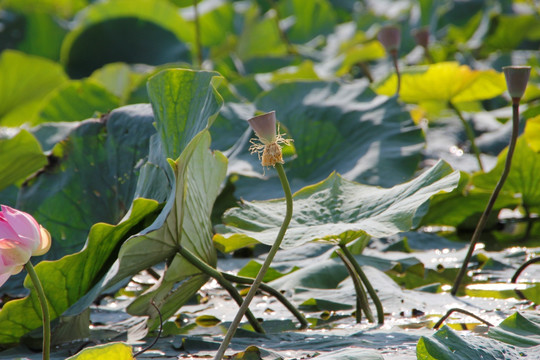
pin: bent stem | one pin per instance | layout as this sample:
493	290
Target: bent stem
363	277
44	310
463	311
361	297
210	271
258	280
485	215
470	134
270	290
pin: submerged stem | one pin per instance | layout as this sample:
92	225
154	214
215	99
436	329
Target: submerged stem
258	280
44	309
210	271
365	280
470	134
485	215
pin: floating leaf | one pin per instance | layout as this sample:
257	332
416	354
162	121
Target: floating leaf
446	344
117	351
518	329
207	320
339	210
447	81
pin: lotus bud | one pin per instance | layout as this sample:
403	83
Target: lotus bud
265	128
516	80
21	237
421	36
390	37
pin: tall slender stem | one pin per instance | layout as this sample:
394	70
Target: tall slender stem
265	266
198	33
361	297
270	290
365	280
394	55
485	215
470	134
207	269
44	310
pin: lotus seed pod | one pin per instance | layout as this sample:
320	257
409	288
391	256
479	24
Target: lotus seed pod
421	36
517	78
390	37
265	127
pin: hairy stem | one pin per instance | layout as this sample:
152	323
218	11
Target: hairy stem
363	277
270	290
485	215
210	271
269	257
46	319
470	134
361	297
453	310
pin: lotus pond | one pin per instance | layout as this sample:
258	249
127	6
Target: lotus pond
388	225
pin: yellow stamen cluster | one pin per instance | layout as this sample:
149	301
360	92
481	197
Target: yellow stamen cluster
269	153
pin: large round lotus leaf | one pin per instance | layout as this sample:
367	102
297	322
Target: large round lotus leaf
147	32
341	127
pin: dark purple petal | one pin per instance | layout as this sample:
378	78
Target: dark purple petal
265	127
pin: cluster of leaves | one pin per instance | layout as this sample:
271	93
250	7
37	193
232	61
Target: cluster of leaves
121	184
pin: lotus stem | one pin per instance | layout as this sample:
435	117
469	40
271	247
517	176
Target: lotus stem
361	297
46	319
519	271
365	280
394	55
210	271
270	290
453	310
158	334
266	265
485	215
198	33
470	134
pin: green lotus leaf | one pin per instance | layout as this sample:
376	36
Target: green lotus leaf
447	344
132	31
91	177
67	280
520	329
446	81
338	210
532	133
311	19
20	156
24	82
336	127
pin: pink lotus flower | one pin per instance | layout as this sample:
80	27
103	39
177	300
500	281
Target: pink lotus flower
21	237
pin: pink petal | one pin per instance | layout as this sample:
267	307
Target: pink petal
24	225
